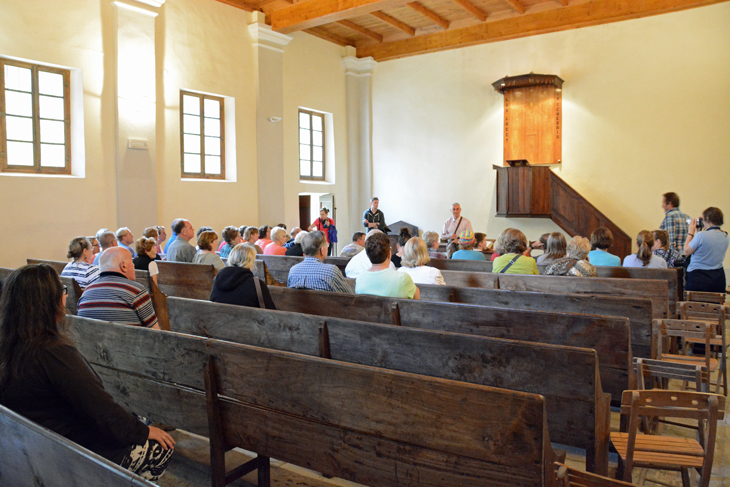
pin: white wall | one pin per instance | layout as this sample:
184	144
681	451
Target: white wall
646	110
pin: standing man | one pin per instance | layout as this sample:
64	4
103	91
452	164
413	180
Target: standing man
179	250
374	218
126	240
455	225
675	222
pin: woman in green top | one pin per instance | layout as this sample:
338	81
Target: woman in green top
514	258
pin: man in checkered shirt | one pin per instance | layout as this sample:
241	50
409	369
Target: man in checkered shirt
313	273
675	222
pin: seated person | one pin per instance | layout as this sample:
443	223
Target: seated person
360	263
432	242
313	273
403	236
601	241
251	235
231	237
482	243
467	242
47	380
264	237
236	284
354	248
555	249
381	279
662	249
278	239
452	248
125	238
206	255
179	248
106	240
81	267
153	233
574	263
415	258
115	296
294	232
644	257
95	247
296	249
515	259
146	255
160	235
707	248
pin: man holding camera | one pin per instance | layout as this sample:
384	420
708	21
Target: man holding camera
675	222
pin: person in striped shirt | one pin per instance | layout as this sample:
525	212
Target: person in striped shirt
81	267
115	296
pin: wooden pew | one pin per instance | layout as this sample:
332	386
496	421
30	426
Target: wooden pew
142	277
637	310
73	295
364	424
185	280
33	456
609	336
567	377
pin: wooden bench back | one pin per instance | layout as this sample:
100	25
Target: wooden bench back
365	424
609	336
32	456
185	280
566	376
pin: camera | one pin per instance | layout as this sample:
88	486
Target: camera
700	223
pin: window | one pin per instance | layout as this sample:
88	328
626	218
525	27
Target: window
311	145
202	136
35	118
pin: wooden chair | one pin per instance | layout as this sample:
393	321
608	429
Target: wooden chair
715	314
703	297
571	477
704	332
665	452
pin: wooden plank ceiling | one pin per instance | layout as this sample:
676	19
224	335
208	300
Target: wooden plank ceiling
391	29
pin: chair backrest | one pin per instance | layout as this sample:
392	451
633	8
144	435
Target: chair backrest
566	476
705	297
659	369
696	310
699	330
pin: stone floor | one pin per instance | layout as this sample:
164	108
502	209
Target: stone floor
190	465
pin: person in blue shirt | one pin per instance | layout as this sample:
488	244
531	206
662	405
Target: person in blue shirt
467	242
707	250
601	241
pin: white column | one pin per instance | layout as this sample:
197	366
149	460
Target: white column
358	85
136	168
268	67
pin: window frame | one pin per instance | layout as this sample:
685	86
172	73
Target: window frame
35	97
202	174
311	177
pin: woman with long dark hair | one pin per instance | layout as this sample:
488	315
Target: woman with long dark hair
44	378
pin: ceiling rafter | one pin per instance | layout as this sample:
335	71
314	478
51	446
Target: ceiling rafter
358	28
517	5
573	16
472	9
394	22
436	18
328	36
308	14
239	4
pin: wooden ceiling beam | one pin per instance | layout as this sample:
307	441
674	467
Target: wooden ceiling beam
564	3
559	19
394	22
328	36
239	4
358	28
515	4
436	18
314	13
472	9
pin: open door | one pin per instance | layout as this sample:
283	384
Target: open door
328	201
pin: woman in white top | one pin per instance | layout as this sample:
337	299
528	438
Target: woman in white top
644	257
146	248
207	241
415	258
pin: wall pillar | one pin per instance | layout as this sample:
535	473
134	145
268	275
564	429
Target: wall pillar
359	87
136	168
268	68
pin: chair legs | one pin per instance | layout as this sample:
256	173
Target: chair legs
685	478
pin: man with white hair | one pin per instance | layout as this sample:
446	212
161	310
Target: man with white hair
313	273
455	225
115	296
126	240
361	263
107	240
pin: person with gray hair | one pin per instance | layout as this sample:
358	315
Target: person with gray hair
116	296
107	240
126	240
574	263
360	263
236	283
295	249
313	273
455	225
